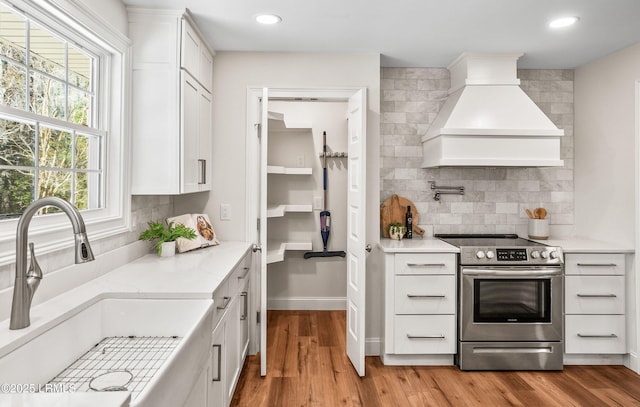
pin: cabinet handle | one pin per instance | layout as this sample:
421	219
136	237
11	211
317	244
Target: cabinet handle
426	264
598	336
597	265
596	295
424	296
226	302
219	376
202	169
441	336
246	305
246	269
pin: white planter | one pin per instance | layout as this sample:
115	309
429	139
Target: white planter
168	249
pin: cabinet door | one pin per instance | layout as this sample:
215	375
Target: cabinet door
190	108
205	133
244	321
217	377
206	68
190	55
232	340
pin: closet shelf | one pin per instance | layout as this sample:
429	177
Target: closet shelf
277	124
276	211
275	250
275	169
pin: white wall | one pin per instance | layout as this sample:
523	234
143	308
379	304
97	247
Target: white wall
113	12
605	114
233	73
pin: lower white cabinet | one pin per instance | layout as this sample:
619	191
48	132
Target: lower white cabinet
419	309
595	303
230	337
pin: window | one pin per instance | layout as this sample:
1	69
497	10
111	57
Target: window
63	116
50	140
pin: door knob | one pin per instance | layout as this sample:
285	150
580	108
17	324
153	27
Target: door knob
368	248
256	248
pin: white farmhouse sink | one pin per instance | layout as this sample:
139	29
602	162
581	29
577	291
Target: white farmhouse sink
50	352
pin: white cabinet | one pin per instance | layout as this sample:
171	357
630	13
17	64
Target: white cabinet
419	308
230	337
172	104
595	303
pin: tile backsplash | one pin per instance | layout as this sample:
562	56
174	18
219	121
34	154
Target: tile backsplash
495	198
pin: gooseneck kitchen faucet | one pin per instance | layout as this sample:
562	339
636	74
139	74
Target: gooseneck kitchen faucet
27	280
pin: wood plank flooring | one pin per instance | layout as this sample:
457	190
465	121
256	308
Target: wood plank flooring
308	366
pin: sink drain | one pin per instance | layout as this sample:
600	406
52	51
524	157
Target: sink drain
115	380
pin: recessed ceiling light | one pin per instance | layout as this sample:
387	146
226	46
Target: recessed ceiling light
268	19
563	22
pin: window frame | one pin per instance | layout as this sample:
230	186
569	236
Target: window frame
78	24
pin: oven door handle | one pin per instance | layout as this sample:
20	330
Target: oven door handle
513	272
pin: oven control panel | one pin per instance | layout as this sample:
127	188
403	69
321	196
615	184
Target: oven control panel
540	255
512	255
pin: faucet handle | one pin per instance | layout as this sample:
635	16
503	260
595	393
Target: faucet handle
34	271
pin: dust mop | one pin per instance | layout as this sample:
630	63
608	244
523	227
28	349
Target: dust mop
325	215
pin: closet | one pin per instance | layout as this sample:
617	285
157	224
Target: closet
289	182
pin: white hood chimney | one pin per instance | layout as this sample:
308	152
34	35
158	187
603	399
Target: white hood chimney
488	120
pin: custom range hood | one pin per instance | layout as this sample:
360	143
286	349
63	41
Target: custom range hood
488	120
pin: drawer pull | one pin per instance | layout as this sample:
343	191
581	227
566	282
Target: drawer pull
598	336
441	336
226	303
426	265
219	375
246	269
245	297
597	295
424	296
597	265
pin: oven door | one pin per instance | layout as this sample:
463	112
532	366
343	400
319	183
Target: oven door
511	304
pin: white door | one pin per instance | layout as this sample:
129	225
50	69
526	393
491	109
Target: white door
356	230
264	142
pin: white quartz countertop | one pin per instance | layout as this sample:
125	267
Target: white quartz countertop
190	275
584	245
417	245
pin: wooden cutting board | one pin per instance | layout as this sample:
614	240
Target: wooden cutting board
393	210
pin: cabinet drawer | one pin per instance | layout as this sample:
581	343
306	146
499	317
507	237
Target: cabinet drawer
595	334
594	295
425	263
425	294
221	299
425	334
240	274
594	264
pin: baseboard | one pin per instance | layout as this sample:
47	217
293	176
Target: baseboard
372	346
632	362
580	359
307	303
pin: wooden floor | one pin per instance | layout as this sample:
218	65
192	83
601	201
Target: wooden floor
307	366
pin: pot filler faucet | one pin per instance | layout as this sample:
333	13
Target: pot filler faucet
27	280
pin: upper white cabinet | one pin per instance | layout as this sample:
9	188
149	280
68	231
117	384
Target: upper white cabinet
172	103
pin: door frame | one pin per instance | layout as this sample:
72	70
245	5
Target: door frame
252	148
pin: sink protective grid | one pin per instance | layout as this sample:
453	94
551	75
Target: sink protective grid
141	356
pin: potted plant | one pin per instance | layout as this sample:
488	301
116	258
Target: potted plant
397	230
166	236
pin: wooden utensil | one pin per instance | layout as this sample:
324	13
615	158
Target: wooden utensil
529	214
540	213
393	210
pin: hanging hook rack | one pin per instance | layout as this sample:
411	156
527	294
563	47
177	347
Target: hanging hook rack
341	154
445	190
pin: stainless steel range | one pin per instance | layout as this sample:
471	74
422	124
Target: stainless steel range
510	294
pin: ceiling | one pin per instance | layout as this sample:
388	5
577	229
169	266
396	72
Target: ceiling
420	33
